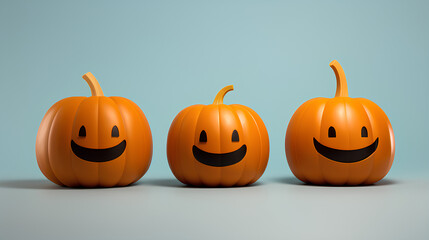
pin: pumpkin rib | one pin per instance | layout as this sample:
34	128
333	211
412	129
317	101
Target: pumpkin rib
200	179
219	182
243	169
259	172
49	138
348	166
245	163
371	129
392	150
348	139
74	180
290	131
124	154
98	137
48	160
304	115
199	182
292	162
324	179
372	165
145	125
176	127
125	105
262	165
204	181
72	156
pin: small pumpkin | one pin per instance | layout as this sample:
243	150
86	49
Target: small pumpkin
94	141
218	144
340	140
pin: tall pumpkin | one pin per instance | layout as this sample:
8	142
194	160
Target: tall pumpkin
217	144
94	141
340	140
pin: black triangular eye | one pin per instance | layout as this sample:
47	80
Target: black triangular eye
364	132
203	136
331	132
115	131
235	137
82	131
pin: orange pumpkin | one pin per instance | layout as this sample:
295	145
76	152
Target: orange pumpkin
340	140
94	141
217	144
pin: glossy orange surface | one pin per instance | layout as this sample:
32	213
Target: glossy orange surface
340	140
218	146
62	127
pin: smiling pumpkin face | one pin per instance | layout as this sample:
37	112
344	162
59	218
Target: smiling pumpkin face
94	141
218	144
340	141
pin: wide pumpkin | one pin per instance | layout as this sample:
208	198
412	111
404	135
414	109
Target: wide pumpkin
218	144
340	140
94	141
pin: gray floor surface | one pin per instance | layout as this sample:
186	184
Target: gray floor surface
274	208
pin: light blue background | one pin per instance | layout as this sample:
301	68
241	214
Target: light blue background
167	55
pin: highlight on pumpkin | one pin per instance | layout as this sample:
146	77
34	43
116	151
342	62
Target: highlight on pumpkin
221	94
93	84
342	90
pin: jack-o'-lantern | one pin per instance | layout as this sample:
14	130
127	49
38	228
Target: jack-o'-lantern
340	140
218	144
94	141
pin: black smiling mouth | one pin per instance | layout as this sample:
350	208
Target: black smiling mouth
345	156
219	159
98	155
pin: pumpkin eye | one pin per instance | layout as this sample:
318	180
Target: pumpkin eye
115	131
235	137
82	131
331	132
203	136
364	132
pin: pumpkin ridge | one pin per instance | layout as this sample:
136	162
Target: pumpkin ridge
48	145
124	133
98	137
243	169
180	116
260	153
319	158
371	129
180	149
369	115
70	157
125	152
71	154
126	106
295	118
348	138
257	174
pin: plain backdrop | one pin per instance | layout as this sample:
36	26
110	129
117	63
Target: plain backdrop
168	55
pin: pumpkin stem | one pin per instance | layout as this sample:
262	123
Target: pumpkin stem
342	90
221	94
93	84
